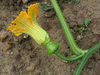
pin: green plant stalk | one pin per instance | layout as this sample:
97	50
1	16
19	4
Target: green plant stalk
85	58
52	48
74	47
71	41
69	58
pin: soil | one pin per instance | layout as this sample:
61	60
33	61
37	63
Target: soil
16	53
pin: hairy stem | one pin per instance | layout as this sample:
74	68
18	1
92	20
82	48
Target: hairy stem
69	58
85	58
74	47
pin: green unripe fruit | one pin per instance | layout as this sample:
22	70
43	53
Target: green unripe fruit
52	47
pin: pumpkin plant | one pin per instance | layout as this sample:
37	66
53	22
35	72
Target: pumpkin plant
27	23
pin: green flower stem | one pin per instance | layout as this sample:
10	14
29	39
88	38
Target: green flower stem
66	30
85	58
68	58
52	48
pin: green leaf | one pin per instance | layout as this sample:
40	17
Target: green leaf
87	22
45	7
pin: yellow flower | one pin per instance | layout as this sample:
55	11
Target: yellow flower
27	23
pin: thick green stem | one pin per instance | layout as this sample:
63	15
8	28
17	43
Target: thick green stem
66	30
85	58
72	42
69	58
52	48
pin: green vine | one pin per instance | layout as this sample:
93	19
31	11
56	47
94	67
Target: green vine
84	54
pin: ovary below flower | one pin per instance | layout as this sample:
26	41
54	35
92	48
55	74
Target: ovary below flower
27	23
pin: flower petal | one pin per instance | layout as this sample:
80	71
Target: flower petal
21	24
16	29
33	10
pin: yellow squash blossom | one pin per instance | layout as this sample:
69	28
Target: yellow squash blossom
27	23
